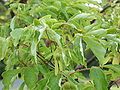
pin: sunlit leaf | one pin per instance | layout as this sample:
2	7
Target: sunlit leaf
16	35
98	50
34	50
3	47
12	24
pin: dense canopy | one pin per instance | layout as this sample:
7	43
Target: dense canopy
60	44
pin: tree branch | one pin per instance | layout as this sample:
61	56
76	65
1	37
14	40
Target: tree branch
80	70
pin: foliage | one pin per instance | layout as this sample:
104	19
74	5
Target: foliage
42	41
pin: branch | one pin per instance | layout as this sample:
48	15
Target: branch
108	5
80	70
113	83
44	60
41	57
105	8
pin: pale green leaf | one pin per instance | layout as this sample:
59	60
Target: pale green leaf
54	36
41	29
16	35
3	47
98	50
12	23
34	50
100	32
81	16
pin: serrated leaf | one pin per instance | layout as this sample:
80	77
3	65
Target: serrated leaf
31	77
98	50
99	78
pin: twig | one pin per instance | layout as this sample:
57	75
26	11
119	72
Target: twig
113	82
105	8
108	6
41	57
80	70
44	60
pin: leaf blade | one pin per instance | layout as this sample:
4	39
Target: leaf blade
99	78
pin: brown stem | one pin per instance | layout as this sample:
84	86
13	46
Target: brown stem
80	70
113	83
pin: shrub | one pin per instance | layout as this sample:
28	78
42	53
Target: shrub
50	44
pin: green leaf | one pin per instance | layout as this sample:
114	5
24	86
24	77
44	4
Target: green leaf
57	25
54	36
8	77
69	86
116	58
78	53
98	50
31	77
100	32
89	87
26	18
16	35
82	16
53	83
41	29
42	84
56	66
22	86
12	23
36	22
3	47
43	69
34	50
99	78
115	68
